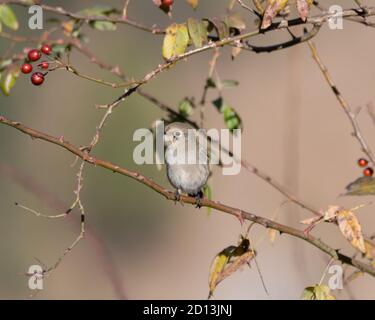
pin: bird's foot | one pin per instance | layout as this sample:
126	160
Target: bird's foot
177	197
198	199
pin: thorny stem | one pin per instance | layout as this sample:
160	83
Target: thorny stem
267	223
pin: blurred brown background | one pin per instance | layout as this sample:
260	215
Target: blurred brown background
294	129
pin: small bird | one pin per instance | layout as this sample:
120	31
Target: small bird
187	167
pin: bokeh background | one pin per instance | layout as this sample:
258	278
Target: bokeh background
140	246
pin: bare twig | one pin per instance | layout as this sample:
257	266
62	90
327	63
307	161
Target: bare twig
76	16
125	9
243	5
54	202
344	105
371	111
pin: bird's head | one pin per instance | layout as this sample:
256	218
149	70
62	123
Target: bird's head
176	131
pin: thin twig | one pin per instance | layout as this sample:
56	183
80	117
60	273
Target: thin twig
344	104
76	16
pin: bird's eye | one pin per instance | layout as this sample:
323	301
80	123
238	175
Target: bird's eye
177	134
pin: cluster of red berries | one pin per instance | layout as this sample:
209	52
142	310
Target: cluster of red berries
368	172
37	78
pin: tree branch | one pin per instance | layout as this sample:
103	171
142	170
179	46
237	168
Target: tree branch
76	16
267	223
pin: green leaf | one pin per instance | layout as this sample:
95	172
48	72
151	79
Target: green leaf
231	118
197	32
5	63
210	83
207	191
8	81
53	20
59	49
8	17
185	108
221	84
363	186
103	25
227	84
176	41
98	10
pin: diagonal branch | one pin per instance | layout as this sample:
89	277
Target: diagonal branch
267	223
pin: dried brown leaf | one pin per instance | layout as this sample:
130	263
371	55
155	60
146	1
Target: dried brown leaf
303	7
351	229
272	9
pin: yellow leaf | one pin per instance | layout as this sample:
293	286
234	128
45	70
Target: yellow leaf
272	9
351	229
370	249
272	233
355	275
361	187
318	292
68	26
193	3
176	41
228	261
217	266
235	265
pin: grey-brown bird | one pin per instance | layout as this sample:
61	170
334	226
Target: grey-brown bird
187	167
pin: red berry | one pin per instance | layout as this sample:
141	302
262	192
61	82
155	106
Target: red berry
46	49
34	55
362	162
26	68
368	172
167	3
37	78
43	65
